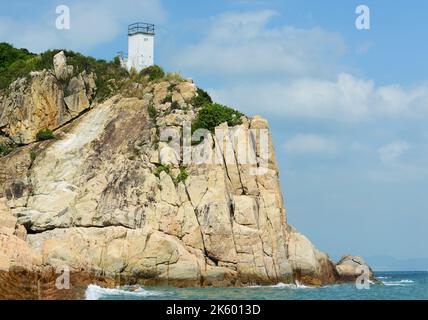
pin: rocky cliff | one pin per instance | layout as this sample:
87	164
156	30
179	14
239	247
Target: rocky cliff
112	200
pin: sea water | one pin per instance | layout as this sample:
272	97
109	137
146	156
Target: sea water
403	285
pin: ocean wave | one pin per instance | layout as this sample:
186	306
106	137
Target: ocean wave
400	283
281	285
407	281
94	292
285	285
302	286
383	278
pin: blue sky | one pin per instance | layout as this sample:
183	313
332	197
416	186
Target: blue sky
348	108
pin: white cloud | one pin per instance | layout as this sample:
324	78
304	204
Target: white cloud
243	44
397	101
363	48
346	99
392	151
310	144
283	71
92	23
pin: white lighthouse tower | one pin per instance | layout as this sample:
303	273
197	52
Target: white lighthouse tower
141	40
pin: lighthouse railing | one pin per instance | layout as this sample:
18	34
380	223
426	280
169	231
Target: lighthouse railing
141	27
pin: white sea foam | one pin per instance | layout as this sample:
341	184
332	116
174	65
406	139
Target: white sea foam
399	283
284	285
302	286
281	285
94	292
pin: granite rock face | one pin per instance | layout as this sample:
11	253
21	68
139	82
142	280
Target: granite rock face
309	264
106	196
351	267
44	99
61	69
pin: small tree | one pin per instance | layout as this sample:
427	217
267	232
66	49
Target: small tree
182	176
175	105
45	134
5	149
214	114
33	155
201	99
162	167
154	72
152	111
167	99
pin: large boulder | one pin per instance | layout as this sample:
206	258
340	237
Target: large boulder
7	220
15	253
62	70
309	265
351	267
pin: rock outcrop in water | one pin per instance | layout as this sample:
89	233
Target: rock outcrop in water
105	199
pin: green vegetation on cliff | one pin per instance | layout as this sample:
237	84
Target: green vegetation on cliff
214	114
182	176
202	99
152	111
14	63
161	168
45	134
154	72
10	55
5	149
110	76
108	73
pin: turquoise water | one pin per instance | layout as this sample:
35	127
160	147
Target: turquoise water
397	286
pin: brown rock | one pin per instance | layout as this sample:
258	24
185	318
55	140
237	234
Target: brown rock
351	267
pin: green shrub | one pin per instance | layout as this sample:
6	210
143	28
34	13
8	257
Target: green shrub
45	134
152	111
116	61
182	176
9	55
171	87
175	105
33	155
162	167
109	75
202	99
5	149
173	76
167	99
17	69
214	114
154	72
16	63
133	74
